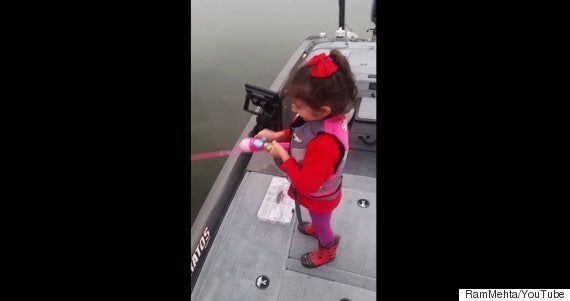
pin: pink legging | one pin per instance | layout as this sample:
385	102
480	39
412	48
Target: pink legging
322	224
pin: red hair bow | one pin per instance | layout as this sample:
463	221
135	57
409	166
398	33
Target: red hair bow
323	65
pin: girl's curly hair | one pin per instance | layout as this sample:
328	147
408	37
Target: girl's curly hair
338	90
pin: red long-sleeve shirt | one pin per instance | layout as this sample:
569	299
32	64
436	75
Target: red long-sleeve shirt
322	155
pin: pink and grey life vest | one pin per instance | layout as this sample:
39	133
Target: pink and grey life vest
302	135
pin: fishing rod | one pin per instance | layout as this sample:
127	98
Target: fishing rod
247	145
250	145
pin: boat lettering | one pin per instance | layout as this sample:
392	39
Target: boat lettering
201	247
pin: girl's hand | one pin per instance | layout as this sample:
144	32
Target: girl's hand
270	135
277	151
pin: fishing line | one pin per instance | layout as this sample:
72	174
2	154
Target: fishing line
212	155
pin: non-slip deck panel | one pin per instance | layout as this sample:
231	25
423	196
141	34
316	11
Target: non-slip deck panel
355	262
299	286
246	248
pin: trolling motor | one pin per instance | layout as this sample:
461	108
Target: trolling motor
269	108
342	32
373	19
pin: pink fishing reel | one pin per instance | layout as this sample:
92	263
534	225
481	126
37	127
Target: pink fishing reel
249	145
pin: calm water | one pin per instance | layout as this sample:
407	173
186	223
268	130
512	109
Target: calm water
239	41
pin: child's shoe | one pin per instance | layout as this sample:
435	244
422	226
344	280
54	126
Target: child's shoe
324	254
307	229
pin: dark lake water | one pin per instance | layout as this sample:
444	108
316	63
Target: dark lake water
239	41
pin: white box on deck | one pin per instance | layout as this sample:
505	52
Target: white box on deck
273	212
